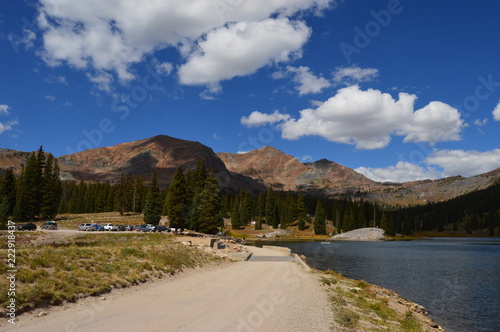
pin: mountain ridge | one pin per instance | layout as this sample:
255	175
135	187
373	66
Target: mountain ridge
254	171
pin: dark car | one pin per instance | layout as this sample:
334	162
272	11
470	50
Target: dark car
142	228
160	228
121	228
27	227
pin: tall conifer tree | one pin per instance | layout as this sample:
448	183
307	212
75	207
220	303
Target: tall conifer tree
152	206
176	202
319	224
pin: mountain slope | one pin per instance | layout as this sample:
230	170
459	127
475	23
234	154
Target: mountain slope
254	171
139	158
285	172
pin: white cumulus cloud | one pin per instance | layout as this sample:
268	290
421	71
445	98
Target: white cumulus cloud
306	81
496	112
257	118
436	122
241	48
465	163
111	36
401	172
369	118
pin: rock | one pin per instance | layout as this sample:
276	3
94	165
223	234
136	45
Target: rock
102	298
42	313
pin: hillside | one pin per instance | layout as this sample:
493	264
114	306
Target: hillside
255	171
139	158
283	171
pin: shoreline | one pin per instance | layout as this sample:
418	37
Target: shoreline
390	297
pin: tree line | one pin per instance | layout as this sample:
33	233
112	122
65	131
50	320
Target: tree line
194	200
35	193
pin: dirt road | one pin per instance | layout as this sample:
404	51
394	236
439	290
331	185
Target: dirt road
266	293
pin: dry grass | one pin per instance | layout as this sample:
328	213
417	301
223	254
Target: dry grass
92	264
358	305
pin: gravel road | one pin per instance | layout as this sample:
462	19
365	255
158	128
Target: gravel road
266	293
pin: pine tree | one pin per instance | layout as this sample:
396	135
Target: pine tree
209	207
319	224
301	212
176	202
235	217
20	213
246	209
51	189
407	227
152	206
7	195
271	209
387	225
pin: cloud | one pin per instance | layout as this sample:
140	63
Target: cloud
4	109
481	123
436	122
164	68
26	39
5	126
112	36
465	163
256	118
102	80
240	49
56	79
50	97
306	158
369	118
496	112
401	172
306	81
354	75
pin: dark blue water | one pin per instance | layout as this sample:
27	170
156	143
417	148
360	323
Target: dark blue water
457	280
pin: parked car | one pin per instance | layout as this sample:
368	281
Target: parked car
129	227
110	227
160	228
27	227
96	227
49	225
142	228
84	227
121	228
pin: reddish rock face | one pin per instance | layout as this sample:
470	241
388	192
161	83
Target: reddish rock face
140	157
266	164
285	172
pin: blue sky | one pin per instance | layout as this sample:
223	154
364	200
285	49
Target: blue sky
398	90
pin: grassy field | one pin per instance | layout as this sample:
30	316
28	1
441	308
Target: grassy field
83	265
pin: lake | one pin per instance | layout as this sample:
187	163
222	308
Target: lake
456	279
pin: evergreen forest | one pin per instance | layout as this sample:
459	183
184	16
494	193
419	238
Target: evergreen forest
194	200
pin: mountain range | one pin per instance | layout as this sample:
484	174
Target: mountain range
254	171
